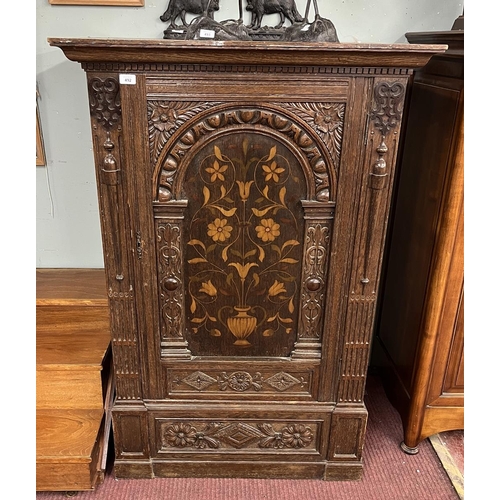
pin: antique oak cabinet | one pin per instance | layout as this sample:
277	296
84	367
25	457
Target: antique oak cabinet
244	191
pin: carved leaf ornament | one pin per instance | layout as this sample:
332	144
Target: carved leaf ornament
238	435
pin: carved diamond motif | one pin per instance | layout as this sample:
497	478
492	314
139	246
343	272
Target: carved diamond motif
238	434
199	380
282	381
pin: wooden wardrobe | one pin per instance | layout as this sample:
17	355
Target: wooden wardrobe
420	332
244	193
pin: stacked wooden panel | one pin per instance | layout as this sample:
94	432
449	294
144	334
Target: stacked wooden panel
74	385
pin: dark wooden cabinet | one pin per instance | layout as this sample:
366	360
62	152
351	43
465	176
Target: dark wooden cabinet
420	333
244	192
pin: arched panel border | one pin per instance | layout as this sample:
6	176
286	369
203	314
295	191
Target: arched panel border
317	162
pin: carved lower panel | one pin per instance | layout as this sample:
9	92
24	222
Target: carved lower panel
240	383
130	429
181	435
348	433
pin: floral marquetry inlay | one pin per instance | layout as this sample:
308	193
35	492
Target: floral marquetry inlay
243	247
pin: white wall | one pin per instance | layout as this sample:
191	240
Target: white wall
67	218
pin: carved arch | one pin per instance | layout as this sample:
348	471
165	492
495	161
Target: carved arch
311	151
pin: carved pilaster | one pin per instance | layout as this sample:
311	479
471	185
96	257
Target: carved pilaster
106	120
383	133
318	218
168	228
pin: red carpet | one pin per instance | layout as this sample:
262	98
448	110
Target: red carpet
389	474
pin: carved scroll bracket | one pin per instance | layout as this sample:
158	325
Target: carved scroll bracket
319	217
386	117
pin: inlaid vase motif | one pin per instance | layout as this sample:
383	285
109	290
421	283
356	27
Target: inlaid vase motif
243	244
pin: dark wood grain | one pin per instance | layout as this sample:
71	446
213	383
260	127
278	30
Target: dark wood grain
244	195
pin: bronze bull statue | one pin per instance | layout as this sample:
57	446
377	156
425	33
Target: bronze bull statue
179	8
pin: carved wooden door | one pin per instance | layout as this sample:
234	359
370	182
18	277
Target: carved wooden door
242	222
241	217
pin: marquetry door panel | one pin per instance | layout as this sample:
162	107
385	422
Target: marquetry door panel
252	275
243	210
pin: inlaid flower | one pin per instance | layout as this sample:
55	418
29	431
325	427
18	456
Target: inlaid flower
276	288
163	118
268	230
216	170
219	230
208	288
244	188
296	436
180	435
327	119
243	269
272	171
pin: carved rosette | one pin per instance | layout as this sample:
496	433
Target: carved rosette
320	173
239	435
327	119
165	117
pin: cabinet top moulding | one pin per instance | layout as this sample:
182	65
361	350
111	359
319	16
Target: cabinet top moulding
88	50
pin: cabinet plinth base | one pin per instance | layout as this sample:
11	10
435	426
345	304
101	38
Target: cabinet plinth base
328	471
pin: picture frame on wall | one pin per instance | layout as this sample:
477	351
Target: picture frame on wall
117	3
40	149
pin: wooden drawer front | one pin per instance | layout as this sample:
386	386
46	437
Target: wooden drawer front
231	382
244	436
